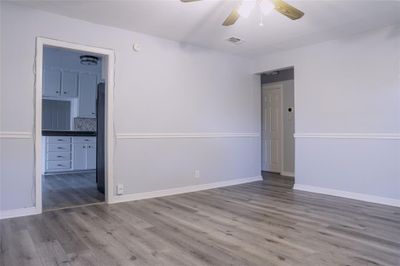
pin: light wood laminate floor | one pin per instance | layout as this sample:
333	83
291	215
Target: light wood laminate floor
259	223
70	189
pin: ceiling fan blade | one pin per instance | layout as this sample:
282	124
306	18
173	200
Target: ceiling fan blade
187	1
231	19
287	10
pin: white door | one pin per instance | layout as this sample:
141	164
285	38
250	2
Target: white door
272	128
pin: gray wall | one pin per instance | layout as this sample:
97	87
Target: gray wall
197	91
347	113
288	123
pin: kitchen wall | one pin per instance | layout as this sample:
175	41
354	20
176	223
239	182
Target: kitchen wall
68	59
197	91
347	100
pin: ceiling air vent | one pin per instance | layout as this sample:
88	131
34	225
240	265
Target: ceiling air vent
235	40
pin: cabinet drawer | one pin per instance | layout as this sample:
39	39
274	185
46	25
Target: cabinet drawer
59	147
58	139
58	165
58	156
84	140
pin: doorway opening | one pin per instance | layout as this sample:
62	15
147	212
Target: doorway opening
278	125
73	119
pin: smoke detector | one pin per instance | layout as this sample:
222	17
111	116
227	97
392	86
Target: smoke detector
235	40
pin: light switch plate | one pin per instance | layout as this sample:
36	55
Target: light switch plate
196	173
120	189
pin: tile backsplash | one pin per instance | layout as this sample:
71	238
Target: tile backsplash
84	124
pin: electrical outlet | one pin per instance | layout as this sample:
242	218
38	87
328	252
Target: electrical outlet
120	189
196	173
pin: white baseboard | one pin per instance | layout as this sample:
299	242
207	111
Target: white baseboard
349	195
18	212
181	190
390	136
284	173
187	135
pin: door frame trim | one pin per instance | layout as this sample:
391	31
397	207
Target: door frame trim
264	88
109	55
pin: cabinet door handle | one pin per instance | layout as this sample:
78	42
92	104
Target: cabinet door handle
65	92
59	165
59	156
60	140
60	148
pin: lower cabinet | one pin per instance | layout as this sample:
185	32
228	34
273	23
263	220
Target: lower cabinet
84	156
79	158
70	154
58	154
91	157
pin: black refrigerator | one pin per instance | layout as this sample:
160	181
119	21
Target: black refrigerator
100	137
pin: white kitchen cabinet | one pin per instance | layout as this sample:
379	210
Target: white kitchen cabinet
84	153
69	84
60	83
52	82
58	154
87	95
79	159
69	153
91	156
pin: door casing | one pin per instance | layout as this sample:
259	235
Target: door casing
109	57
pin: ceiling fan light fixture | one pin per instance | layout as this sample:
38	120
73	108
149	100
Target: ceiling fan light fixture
246	7
266	6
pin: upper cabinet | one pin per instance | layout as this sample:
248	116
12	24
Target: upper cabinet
52	82
66	78
60	83
87	95
69	86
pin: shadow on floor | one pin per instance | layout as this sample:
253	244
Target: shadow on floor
276	179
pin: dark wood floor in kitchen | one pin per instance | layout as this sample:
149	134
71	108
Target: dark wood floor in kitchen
70	189
259	223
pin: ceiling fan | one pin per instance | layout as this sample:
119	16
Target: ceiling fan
246	6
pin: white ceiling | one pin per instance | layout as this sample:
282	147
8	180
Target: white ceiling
199	22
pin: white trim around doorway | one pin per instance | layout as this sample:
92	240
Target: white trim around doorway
41	42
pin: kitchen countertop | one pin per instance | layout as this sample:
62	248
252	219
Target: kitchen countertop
71	133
